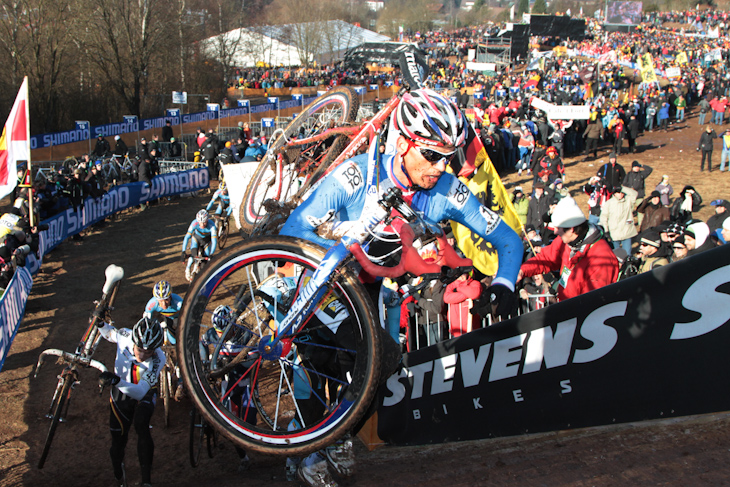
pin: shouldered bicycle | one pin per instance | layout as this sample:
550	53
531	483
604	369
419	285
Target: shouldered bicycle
68	379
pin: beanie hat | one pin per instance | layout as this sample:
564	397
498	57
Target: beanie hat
651	237
726	224
567	214
700	230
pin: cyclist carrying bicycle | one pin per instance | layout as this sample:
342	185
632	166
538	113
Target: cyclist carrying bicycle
224	201
134	381
431	130
236	384
202	236
166	305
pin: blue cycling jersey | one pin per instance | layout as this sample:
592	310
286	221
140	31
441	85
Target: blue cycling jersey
198	233
341	197
172	311
224	203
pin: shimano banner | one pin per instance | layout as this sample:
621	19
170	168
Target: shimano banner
12	309
409	57
653	346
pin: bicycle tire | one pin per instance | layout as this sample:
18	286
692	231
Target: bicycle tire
197	432
56	419
165	393
211	440
223	236
269	181
225	281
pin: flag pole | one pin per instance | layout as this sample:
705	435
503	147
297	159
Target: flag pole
31	216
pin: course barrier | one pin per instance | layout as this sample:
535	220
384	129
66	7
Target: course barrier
649	347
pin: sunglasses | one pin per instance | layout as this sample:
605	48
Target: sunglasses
680	247
435	157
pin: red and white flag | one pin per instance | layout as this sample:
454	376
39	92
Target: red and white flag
15	141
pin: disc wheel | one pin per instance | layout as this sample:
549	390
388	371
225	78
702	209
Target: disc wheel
309	388
286	179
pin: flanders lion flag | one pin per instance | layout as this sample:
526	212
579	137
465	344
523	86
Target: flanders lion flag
487	186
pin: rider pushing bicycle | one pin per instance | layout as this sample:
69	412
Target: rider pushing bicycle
166	305
134	391
431	130
204	237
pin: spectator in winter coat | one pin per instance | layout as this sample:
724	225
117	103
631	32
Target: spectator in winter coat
652	212
697	238
460	295
688	202
617	217
521	203
585	261
665	189
706	144
592	134
663	116
722	211
538	206
635	180
612	173
632	133
704	107
654	253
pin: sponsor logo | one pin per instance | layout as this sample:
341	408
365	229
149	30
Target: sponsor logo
490	217
458	194
350	177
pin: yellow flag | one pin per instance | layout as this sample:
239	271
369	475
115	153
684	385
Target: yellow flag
487	186
647	68
681	58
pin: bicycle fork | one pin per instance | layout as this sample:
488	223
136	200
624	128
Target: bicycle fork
67	374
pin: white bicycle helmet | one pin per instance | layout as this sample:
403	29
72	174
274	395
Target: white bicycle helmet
202	217
426	117
162	290
220	318
147	334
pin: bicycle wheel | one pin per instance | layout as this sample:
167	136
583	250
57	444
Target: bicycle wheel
57	409
211	440
166	392
223	232
287	180
338	349
197	432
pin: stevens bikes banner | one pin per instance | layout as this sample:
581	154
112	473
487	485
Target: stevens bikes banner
652	346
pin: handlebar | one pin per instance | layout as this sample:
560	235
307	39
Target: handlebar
69	358
410	260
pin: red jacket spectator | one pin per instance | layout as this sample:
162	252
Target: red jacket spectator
457	296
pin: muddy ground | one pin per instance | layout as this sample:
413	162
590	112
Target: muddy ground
682	451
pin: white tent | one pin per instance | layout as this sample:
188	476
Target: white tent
289	44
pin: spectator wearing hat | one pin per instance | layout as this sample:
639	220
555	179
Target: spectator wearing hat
460	295
143	151
706	145
167	131
521	203
665	190
652	212
722	211
697	238
552	164
612	173
102	146
200	137
663	116
558	189
618	219
688	202
679	249
175	149
681	104
583	258
120	147
652	251
636	180
538	206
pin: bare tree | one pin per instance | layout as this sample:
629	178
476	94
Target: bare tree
127	38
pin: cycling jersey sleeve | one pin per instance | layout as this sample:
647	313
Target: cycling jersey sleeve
150	308
212	201
213	238
188	235
109	332
340	194
463	207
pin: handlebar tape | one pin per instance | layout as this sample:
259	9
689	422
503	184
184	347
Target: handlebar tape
410	260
